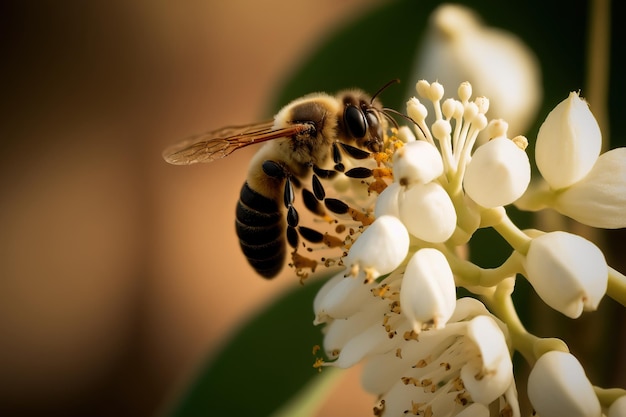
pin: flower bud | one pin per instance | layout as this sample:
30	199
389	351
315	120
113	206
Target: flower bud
498	173
568	272
458	47
568	143
558	386
428	292
417	162
427	212
381	247
599	199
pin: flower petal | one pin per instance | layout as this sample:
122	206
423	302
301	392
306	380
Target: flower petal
381	247
599	199
428	212
489	377
417	162
428	293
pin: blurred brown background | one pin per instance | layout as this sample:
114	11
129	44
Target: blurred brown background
118	272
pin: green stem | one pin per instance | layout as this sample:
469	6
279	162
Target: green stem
608	395
530	346
617	286
513	235
472	274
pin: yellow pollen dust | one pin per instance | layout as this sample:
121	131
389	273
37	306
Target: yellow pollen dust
364	218
394	307
332	241
409	380
299	263
410	335
319	363
463	398
377	186
422	363
380	291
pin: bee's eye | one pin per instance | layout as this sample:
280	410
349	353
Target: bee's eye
355	121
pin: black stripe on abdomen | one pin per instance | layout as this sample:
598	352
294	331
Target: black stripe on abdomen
260	227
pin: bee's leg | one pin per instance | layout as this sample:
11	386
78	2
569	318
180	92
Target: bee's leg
378	174
279	171
313	200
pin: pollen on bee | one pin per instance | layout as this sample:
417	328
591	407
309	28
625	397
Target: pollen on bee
299	263
364	218
377	186
332	241
381	157
382	173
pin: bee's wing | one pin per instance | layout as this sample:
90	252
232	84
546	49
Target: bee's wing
209	146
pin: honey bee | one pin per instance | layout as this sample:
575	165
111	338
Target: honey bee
308	134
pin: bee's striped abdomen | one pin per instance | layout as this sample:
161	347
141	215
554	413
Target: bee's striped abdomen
260	228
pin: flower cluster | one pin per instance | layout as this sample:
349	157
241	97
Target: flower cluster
395	305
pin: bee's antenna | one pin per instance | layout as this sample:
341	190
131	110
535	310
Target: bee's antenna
387	110
381	89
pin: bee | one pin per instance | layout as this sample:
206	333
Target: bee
305	136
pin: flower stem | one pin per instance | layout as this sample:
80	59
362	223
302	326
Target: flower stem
608	395
530	346
598	52
617	286
501	304
513	235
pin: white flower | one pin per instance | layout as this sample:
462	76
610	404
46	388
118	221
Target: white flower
568	143
445	371
458	47
498	173
558	386
394	307
428	293
568	272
